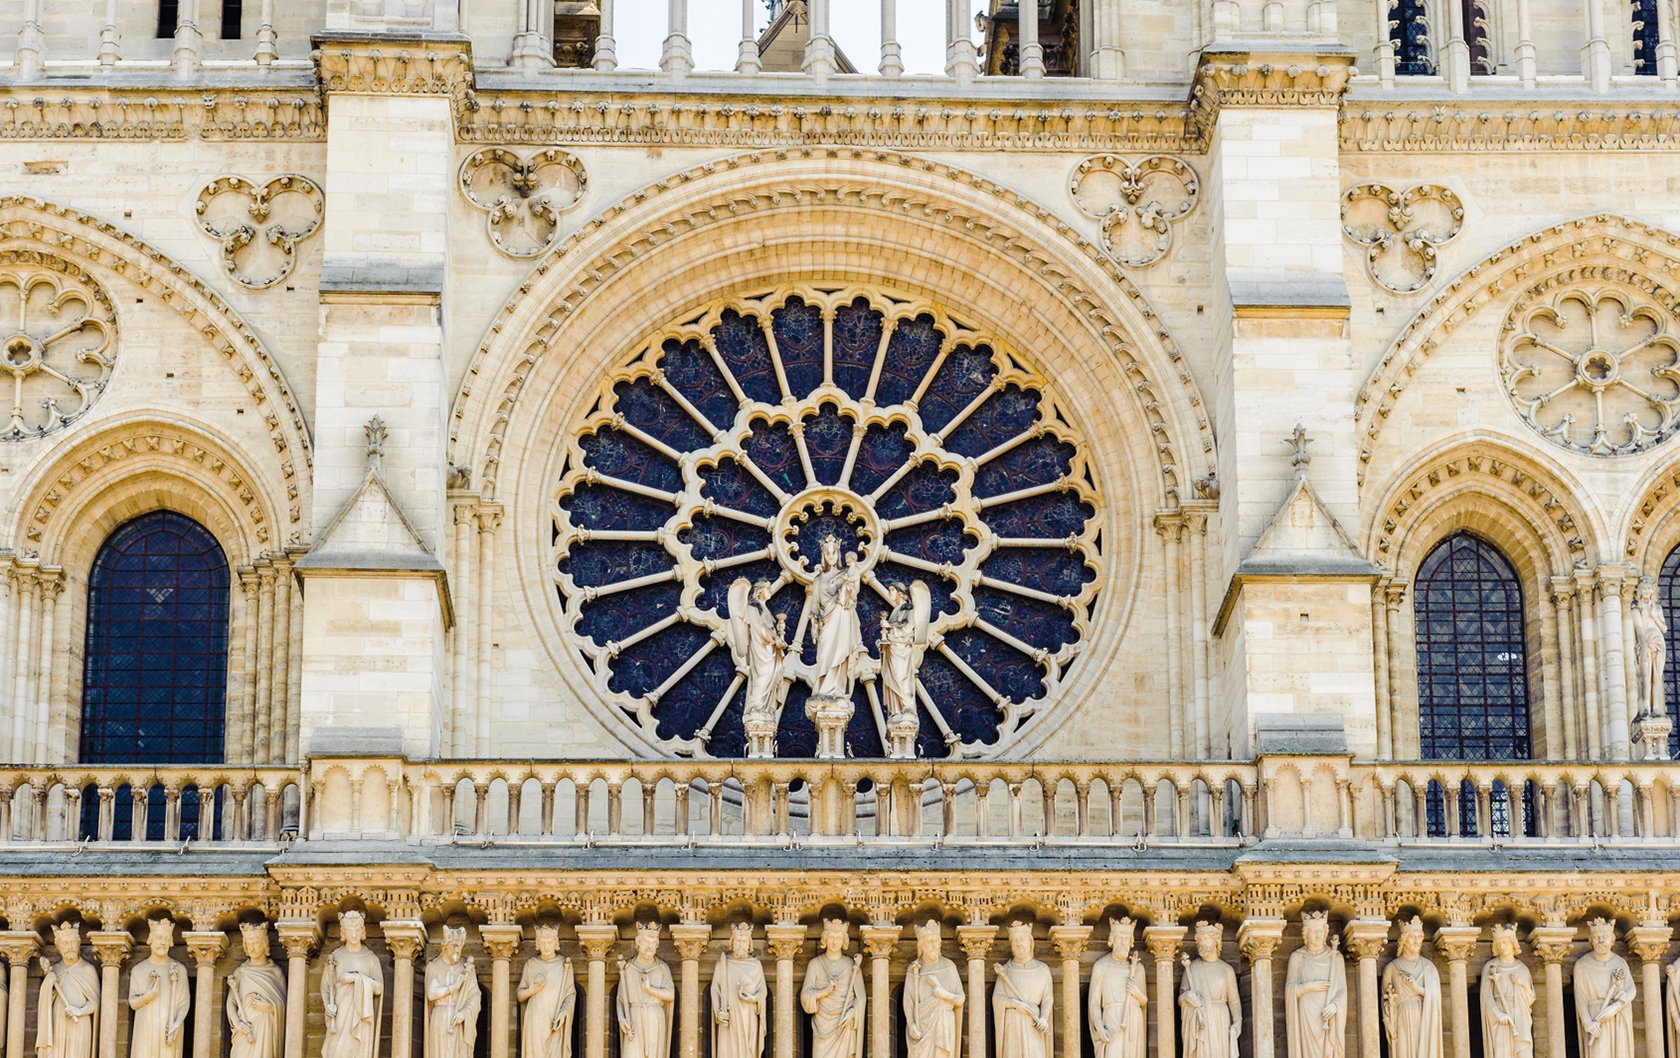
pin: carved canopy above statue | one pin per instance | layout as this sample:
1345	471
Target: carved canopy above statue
737	439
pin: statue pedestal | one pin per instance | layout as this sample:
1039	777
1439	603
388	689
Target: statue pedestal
761	736
1651	731
831	713
901	736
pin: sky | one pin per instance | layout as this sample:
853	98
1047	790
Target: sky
714	26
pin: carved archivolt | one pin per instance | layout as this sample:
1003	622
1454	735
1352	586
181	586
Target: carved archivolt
733	443
1594	369
259	226
58	341
1138	204
1400	230
522	197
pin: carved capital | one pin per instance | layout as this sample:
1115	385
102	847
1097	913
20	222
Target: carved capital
1164	942
1455	943
1070	941
597	939
784	939
1366	937
111	946
1650	943
977	941
206	945
299	937
1258	938
19	946
691	939
879	941
1241	78
501	940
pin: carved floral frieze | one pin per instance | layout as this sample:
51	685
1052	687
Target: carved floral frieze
1401	230
522	196
58	342
1139	203
259	226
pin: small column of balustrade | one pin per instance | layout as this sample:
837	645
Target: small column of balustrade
747	58
678	54
606	47
961	59
1029	53
892	56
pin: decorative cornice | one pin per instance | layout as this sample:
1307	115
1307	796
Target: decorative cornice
1244	78
388	65
1369	126
150	112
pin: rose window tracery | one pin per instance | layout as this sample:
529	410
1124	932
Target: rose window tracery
736	441
1593	370
57	342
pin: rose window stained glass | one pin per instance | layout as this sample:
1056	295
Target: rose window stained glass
735	442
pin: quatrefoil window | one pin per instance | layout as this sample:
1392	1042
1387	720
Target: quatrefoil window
733	442
522	197
259	226
1401	231
1594	370
1137	204
58	341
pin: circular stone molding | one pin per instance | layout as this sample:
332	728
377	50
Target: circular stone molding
58	342
734	441
1594	368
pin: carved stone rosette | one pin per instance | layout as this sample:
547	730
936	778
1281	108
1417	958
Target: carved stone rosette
1594	369
1401	230
1139	204
58	341
260	226
522	196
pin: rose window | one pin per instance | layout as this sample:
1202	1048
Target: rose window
736	441
57	342
1594	371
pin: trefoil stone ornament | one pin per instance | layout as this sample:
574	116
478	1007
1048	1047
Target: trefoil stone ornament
522	197
1401	231
1139	203
260	226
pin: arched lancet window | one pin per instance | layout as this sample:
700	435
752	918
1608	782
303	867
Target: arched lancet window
1645	41
1668	591
154	683
169	12
1471	662
1408	31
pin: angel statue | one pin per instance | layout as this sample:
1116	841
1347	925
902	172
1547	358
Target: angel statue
757	639
904	638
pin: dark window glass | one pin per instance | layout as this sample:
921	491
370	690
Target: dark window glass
168	12
1472	669
1645	44
232	12
154	681
1478	35
1408	30
1668	590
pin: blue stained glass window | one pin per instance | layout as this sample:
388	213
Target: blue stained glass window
1645	37
154	682
1668	593
1408	31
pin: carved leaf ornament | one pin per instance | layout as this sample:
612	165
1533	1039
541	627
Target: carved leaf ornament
1593	370
522	197
259	226
733	443
1137	204
57	341
1401	230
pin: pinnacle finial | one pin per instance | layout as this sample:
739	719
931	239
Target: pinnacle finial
375	430
1300	457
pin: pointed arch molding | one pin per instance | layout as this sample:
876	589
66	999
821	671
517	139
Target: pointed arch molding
1001	224
1593	246
27	222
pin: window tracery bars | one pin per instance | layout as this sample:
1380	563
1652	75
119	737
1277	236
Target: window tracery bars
169	12
1478	34
1668	590
1645	33
154	682
1472	664
1408	31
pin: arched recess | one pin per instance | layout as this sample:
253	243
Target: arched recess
70	504
841	218
1524	505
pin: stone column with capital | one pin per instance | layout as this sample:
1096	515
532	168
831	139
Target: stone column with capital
111	947
1365	939
405	940
977	941
501	941
206	947
597	939
783	940
879	940
1455	943
690	939
1650	943
1070	941
1164	943
1553	944
19	946
1258	938
298	937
